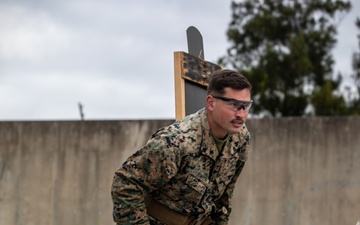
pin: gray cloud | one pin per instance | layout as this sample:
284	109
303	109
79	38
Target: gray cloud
115	57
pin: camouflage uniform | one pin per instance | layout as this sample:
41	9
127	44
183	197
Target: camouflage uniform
181	167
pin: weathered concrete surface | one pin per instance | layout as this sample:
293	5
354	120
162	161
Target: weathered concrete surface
60	173
300	171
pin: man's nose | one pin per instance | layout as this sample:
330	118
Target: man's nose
241	113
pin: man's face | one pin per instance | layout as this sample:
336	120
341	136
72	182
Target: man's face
228	113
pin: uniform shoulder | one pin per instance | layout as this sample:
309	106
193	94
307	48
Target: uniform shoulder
182	133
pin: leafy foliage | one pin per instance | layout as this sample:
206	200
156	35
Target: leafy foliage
355	101
284	49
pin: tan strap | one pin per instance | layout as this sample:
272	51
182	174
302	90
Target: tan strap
168	216
164	214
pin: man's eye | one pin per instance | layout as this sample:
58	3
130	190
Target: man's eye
239	105
236	105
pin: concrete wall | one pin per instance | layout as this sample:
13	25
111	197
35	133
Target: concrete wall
300	171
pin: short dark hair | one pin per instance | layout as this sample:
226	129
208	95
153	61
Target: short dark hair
221	79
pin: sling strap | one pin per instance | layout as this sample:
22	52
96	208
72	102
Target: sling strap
168	216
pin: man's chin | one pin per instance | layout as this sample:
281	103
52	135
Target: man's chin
234	130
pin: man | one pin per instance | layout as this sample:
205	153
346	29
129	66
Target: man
186	172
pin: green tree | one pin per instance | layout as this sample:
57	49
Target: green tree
355	101
284	48
327	103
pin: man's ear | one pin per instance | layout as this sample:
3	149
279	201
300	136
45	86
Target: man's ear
209	102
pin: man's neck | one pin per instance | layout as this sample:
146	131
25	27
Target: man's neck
215	130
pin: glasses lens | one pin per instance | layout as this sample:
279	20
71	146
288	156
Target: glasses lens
242	105
236	104
247	106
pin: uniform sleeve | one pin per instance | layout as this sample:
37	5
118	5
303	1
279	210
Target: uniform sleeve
146	170
224	203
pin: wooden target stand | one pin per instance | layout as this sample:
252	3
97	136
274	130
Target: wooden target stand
191	76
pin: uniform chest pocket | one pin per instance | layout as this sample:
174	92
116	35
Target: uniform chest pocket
198	184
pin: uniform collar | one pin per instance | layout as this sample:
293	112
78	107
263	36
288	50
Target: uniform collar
208	145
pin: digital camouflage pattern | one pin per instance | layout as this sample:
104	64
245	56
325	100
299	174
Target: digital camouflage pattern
181	168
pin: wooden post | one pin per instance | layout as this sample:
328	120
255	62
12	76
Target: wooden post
179	86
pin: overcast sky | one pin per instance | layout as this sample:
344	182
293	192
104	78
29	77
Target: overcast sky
113	56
